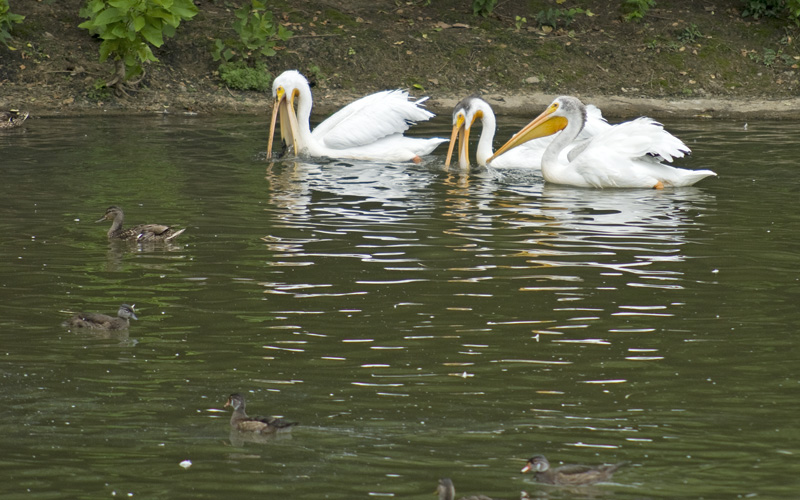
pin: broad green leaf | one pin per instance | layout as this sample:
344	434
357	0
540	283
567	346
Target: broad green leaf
184	10
145	53
125	5
108	16
138	23
117	31
94	6
152	35
105	50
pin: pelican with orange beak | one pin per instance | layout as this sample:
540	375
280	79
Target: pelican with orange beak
529	155
632	154
370	128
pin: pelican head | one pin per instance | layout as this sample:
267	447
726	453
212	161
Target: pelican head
465	113
554	119
286	88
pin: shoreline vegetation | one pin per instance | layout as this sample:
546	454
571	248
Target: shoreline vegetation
680	60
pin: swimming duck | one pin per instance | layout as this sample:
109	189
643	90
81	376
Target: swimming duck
447	491
142	232
569	475
262	425
12	118
97	321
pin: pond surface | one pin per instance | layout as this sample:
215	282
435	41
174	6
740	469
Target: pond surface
418	323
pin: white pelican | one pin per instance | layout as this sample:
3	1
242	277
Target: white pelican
627	155
370	128
528	155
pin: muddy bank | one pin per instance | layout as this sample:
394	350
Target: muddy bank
522	104
685	59
625	107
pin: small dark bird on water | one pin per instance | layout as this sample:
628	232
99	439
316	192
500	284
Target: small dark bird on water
261	425
140	233
447	491
569	475
12	118
97	321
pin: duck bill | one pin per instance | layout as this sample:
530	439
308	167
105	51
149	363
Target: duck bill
284	107
542	126
527	468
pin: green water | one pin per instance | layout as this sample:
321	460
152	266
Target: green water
416	322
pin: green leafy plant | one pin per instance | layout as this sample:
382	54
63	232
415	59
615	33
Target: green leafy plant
690	34
483	7
241	64
633	10
793	7
258	35
769	57
316	73
99	91
553	17
7	18
129	28
773	8
763	8
238	75
519	22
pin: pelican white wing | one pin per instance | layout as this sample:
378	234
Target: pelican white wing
627	155
371	118
370	128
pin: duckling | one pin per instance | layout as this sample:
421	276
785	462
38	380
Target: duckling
569	475
261	425
447	491
141	233
97	321
12	118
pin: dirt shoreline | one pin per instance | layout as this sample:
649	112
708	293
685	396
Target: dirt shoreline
684	60
519	104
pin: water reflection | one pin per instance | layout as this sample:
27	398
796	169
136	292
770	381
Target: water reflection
418	322
240	439
119	251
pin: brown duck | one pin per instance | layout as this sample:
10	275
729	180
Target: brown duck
12	118
141	233
261	425
97	321
447	491
569	475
